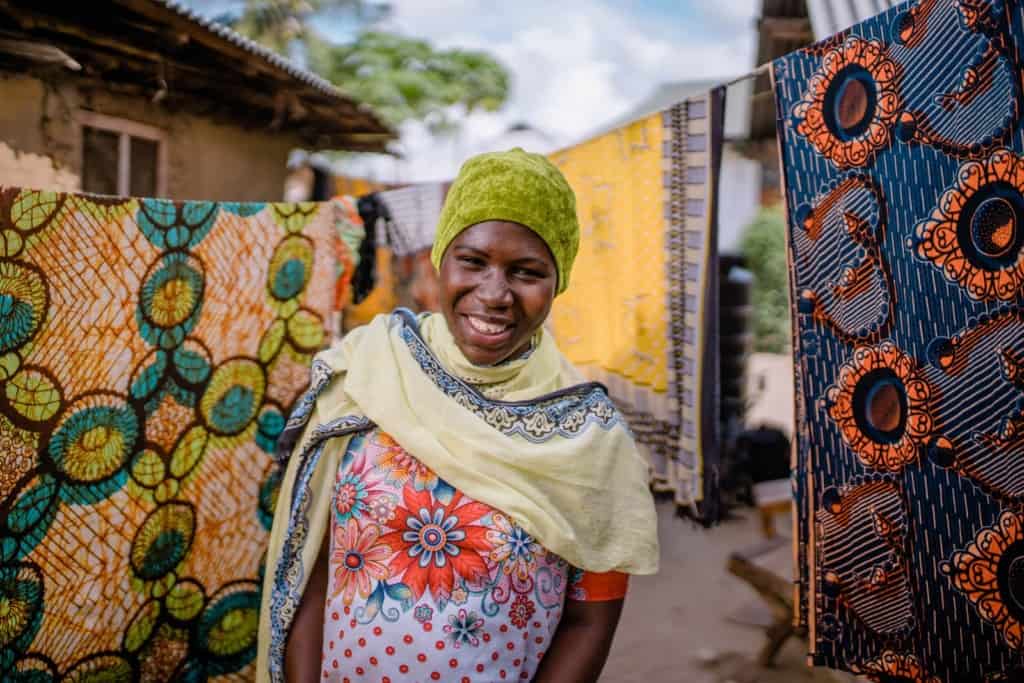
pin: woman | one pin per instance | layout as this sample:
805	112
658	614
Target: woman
458	505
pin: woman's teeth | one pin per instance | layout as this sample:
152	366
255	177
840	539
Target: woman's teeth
484	327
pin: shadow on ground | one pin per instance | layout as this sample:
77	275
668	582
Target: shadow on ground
681	625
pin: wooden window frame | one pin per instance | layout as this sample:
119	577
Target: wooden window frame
127	129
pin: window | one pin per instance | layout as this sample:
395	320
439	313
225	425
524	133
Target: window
121	157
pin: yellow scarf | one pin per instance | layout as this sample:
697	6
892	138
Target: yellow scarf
552	453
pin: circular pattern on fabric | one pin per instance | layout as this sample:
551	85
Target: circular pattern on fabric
229	626
880	405
291	267
270	343
142	626
33	210
306	331
270	489
185	600
35	504
192	363
941	452
851	101
170	300
23	304
189	451
33	394
269	427
31	669
233	397
21	605
990	574
104	668
1012	565
832	500
148	469
994	227
94	439
988	226
163	540
974	235
149	375
175	225
294	217
32	505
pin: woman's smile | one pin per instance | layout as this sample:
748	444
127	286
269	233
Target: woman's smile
487	332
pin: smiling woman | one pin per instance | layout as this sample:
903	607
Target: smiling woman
457	503
498	280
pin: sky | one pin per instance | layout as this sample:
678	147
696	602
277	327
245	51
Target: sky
573	68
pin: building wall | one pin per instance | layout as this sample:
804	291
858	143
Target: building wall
205	159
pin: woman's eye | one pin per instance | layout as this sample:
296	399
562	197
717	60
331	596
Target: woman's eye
527	274
471	260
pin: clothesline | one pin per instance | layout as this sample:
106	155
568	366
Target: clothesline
759	71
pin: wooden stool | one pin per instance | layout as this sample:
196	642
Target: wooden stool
776	591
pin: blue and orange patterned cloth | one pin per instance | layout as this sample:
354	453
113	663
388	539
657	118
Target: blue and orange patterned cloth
149	353
902	147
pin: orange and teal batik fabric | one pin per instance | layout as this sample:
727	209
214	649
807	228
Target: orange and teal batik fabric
903	161
149	353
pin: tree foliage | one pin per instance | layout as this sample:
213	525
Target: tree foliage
402	78
406	78
764	249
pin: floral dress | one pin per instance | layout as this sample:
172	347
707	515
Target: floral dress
427	584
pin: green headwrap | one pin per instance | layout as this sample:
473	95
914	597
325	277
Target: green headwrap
518	187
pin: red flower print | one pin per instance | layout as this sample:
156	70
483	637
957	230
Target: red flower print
435	543
358	559
402	467
521	611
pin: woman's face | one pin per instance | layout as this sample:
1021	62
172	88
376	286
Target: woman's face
498	280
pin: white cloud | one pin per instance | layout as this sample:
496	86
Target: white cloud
572	70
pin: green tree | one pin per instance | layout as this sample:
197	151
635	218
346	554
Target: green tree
284	25
406	78
401	78
764	248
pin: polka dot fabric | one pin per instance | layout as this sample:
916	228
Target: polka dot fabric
427	584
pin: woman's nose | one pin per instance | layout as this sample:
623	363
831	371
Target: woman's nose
494	291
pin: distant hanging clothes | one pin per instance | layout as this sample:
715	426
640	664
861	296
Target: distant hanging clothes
641	312
903	162
373	213
150	352
350	236
414	212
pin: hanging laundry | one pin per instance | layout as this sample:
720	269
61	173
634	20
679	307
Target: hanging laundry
903	164
641	314
150	352
350	237
372	211
414	212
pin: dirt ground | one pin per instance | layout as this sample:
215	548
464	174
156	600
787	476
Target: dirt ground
677	625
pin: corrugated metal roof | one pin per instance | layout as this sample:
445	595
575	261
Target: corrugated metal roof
829	17
257	50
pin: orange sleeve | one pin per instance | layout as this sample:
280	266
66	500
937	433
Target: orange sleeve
594	587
